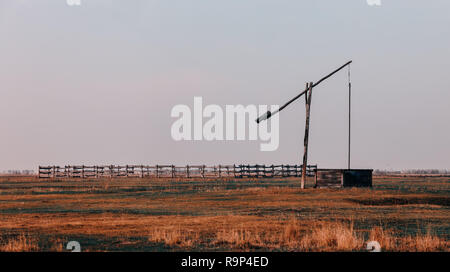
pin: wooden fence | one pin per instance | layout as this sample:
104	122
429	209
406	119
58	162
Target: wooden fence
172	171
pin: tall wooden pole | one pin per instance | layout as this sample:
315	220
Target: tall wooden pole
305	151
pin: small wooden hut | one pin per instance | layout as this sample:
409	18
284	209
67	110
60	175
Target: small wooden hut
339	178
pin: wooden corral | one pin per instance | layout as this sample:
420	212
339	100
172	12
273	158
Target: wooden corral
172	171
338	178
324	178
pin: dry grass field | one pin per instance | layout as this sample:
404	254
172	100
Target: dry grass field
401	213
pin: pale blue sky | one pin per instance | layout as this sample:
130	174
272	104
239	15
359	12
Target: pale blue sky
95	84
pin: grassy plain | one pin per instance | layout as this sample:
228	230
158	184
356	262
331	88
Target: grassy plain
401	213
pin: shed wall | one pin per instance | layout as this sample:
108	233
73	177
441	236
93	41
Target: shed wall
337	178
327	178
357	178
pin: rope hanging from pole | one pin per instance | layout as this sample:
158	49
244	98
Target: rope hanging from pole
349	113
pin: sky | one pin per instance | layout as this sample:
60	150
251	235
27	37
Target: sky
96	83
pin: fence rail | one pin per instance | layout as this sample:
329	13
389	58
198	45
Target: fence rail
172	171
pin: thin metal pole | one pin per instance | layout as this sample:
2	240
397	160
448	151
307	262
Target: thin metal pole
349	115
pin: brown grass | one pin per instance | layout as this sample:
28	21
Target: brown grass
134	214
323	237
328	237
21	243
418	243
331	237
174	237
240	239
425	243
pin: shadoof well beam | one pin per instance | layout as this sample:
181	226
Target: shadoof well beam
308	88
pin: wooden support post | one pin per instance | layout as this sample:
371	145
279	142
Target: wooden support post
305	152
187	171
315	178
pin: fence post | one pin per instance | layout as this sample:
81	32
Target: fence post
315	178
